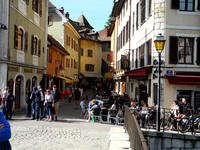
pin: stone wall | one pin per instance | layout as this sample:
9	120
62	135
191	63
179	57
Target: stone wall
171	141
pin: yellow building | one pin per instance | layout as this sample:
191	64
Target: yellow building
90	52
72	45
27	46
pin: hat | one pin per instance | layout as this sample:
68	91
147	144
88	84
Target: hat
54	86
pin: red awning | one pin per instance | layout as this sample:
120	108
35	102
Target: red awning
142	72
183	79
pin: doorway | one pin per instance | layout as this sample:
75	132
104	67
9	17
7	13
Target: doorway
18	86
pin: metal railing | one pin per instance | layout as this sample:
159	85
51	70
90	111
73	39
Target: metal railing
137	140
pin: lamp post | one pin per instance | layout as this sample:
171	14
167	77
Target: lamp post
159	45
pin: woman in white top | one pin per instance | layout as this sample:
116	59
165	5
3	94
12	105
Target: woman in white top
49	103
174	113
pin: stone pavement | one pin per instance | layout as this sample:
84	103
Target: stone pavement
70	132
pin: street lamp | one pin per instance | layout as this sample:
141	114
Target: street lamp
159	45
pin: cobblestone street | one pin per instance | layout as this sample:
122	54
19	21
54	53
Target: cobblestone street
68	133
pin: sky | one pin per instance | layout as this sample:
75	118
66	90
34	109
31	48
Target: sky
96	11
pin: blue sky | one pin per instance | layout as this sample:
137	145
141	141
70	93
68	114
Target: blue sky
95	11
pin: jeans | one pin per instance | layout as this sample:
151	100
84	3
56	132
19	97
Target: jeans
49	111
9	110
28	109
33	110
38	110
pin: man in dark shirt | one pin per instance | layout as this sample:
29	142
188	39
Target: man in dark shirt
9	103
56	96
186	107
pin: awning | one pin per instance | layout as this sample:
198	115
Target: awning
183	79
75	79
66	79
92	75
142	72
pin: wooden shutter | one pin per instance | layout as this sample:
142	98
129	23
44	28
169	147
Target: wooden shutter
137	16
175	4
39	48
149	51
142	55
173	50
136	60
40	8
26	42
27	2
34	5
198	7
32	44
198	51
16	37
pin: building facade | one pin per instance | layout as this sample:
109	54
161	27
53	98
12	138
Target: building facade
178	22
27	46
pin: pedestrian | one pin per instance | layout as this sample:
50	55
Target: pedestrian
38	104
5	133
82	105
28	102
70	95
77	95
56	97
32	97
4	100
49	103
9	104
42	95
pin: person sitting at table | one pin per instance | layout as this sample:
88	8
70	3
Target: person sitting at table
90	105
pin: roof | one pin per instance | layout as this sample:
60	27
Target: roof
102	35
83	22
75	25
54	42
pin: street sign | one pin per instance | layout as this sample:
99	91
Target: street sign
169	72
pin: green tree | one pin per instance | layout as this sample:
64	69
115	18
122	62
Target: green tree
108	22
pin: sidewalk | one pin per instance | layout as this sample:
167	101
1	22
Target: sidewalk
119	140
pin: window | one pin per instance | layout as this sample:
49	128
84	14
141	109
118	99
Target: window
82	52
89	67
187	5
148	44
67	63
133	23
72	43
35	46
90	53
72	63
142	7
185	50
181	50
21	39
131	87
108	57
37	6
50	20
67	40
109	45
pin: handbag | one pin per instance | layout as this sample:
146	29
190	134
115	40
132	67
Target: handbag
49	104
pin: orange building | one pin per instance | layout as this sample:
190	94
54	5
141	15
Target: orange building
55	65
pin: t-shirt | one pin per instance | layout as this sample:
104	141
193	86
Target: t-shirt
48	98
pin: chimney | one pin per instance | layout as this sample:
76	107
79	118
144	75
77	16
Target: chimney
67	15
61	10
106	31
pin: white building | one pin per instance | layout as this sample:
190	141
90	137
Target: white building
179	23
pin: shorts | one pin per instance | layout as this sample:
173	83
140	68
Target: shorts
56	106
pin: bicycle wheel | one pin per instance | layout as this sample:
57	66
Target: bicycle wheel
184	125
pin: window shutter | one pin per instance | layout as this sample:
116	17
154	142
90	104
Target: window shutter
40	8
27	2
32	44
39	48
16	37
198	7
149	51
142	55
34	5
198	51
136	60
173	50
175	4
26	42
137	15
